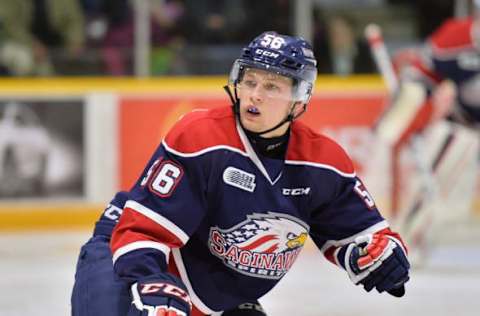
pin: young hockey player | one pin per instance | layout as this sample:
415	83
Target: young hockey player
226	202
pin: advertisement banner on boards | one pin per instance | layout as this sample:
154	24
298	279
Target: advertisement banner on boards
143	122
41	148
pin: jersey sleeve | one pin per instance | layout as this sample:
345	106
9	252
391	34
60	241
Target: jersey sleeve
164	209
110	216
418	65
347	211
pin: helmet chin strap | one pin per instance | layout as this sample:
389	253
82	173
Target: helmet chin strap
236	110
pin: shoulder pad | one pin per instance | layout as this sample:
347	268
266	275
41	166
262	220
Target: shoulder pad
452	37
311	148
204	130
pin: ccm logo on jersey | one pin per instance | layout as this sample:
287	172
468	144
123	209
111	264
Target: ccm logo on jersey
112	212
239	179
296	191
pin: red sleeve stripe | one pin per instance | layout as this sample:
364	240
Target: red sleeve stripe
424	65
134	226
159	219
430	78
338	243
331	255
320	165
445	53
203	151
141	245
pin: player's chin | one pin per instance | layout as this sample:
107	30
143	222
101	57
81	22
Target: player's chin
252	124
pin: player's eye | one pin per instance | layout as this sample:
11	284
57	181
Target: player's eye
249	83
271	87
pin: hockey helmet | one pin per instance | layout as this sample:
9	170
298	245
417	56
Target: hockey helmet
284	55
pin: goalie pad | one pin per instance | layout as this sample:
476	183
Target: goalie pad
404	110
444	190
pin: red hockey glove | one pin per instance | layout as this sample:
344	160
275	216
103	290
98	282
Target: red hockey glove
376	261
163	295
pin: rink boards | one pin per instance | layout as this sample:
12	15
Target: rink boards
104	141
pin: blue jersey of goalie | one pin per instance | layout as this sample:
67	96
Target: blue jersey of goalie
211	209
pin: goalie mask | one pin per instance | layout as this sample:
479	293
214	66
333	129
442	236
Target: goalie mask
287	56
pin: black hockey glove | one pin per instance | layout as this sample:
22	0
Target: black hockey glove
160	295
376	261
246	309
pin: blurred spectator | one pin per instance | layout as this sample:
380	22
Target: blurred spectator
34	30
262	16
431	14
349	3
338	48
168	38
110	26
214	21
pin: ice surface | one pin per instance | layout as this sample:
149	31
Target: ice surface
37	271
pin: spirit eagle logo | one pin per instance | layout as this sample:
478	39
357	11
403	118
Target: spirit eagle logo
263	246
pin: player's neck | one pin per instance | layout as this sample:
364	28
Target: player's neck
272	147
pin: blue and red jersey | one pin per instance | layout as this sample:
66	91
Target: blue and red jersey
452	52
210	209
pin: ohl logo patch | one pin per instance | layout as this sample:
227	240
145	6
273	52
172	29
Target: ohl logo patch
263	246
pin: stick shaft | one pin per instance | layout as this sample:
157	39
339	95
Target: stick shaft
380	54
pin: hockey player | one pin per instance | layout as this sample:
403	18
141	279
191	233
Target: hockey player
452	54
226	202
439	81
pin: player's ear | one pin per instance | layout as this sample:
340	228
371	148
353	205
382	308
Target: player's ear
297	108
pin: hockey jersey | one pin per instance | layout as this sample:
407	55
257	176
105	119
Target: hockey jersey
207	204
453	52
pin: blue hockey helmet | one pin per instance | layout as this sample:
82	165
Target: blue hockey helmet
288	56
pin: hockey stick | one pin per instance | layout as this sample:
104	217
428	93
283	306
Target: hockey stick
373	34
401	109
394	118
403	104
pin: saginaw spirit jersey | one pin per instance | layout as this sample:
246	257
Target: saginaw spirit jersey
453	52
230	226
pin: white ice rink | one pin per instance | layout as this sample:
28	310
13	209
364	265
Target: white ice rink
37	270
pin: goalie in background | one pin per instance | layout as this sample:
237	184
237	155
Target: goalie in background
225	204
436	110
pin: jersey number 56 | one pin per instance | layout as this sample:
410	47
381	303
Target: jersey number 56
166	176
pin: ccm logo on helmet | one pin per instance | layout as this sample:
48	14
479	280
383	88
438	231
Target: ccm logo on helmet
267	53
296	191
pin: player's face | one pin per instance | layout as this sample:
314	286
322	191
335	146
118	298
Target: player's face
265	100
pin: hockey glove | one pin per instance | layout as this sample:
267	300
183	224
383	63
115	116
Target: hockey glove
161	295
246	309
376	261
